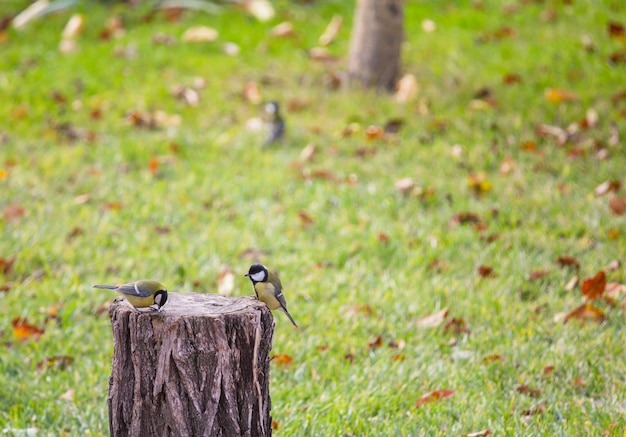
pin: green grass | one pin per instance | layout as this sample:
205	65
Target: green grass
218	193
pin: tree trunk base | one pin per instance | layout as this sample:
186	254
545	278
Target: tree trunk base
199	367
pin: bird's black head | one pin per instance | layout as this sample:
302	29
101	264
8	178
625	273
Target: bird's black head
160	297
257	273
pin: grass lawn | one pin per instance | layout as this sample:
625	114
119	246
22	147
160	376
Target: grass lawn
106	177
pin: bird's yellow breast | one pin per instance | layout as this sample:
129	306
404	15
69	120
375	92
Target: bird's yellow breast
266	293
139	302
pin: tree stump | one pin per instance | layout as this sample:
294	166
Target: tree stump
376	43
199	367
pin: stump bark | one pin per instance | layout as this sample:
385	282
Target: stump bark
199	367
376	43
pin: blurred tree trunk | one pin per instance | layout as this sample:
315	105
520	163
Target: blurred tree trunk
377	35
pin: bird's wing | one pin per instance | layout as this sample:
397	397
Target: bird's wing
278	289
133	290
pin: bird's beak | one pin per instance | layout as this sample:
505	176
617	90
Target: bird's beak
247	274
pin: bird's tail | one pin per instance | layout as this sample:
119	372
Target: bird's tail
290	318
108	287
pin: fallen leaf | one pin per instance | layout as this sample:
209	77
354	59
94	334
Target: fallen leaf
405	185
113	28
493	358
482	433
308	153
433	396
463	218
511	78
74	27
586	311
360	309
225	280
350	356
616	30
153	165
393	344
6	265
528	391
68	395
613	265
60	362
22	330
593	288
189	96
200	34
374	132
486	272
535	409
274	425
618	205
375	343
111	206
555	95
614	290
13	212
331	31
305	219
398	358
456	325
568	261
383	237
538	274
547	370
282	360
321	54
282	30
262	10
607	187
571	283
433	320
406	89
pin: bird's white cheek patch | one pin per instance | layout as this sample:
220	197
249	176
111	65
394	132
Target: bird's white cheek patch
158	298
258	277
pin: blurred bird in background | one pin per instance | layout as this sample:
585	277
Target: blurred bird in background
275	123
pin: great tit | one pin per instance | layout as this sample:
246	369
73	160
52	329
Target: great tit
268	288
141	294
275	123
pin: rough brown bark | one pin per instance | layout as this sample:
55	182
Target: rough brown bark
199	367
376	42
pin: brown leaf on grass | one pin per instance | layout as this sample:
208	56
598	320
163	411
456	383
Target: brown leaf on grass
493	358
331	31
507	166
6	287
22	330
586	311
618	205
252	93
497	35
535	409
547	370
305	219
405	185
399	344
283	360
614	290
200	34
528	391
274	425
77	231
393	126
456	325
398	358
614	265
374	132
537	274
364	310
60	362
568	261
607	187
383	237
113	28
319	173
187	95
13	212
350	356
556	95
616	30
592	288
153	165
111	206
321	54
486	272
433	320
434	396
464	218
375	343
6	265
511	79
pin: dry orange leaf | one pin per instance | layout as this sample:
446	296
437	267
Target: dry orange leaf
375	343
547	370
528	391
616	30
305	218
383	237
22	330
593	288
153	165
433	320
555	95
618	205
6	265
535	409
283	359
479	183
586	312
433	396
360	309
13	212
111	206
537	274
568	261
493	358
274	425
456	325
486	272
374	132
